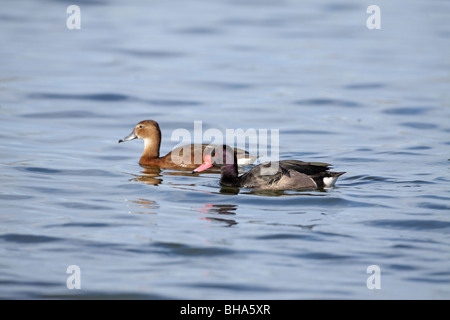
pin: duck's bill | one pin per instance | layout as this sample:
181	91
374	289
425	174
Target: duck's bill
129	137
203	167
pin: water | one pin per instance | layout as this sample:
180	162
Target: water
375	103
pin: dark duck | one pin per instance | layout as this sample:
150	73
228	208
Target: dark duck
273	175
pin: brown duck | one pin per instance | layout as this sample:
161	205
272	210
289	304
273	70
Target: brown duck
149	131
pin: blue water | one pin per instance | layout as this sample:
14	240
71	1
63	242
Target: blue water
374	103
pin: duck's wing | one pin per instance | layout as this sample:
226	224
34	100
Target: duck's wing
267	173
308	168
278	176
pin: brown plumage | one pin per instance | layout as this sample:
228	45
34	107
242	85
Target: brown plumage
188	156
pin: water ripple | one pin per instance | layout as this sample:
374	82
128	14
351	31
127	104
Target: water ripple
414	224
154	54
79	224
69	114
172	103
231	287
407	111
328	102
200	31
420	125
102	97
434	206
109	97
364	86
68	172
323	256
101	295
27	238
14	197
82	206
179	249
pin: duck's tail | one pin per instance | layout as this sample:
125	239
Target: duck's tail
330	179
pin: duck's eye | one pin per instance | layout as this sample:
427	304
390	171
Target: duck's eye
140	126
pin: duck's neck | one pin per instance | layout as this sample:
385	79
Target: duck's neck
151	146
229	176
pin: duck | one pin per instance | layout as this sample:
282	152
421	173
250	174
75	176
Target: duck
150	132
270	175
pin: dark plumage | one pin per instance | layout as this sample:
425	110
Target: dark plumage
274	175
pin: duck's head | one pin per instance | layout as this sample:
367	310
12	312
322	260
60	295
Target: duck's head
146	129
149	131
219	157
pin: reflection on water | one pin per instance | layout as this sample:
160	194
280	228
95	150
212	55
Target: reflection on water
229	190
272	193
151	175
150	206
279	193
228	222
219	209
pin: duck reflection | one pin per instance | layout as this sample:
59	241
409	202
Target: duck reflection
149	206
222	209
229	190
150	175
285	193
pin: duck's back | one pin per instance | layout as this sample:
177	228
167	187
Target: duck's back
283	175
192	155
308	168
